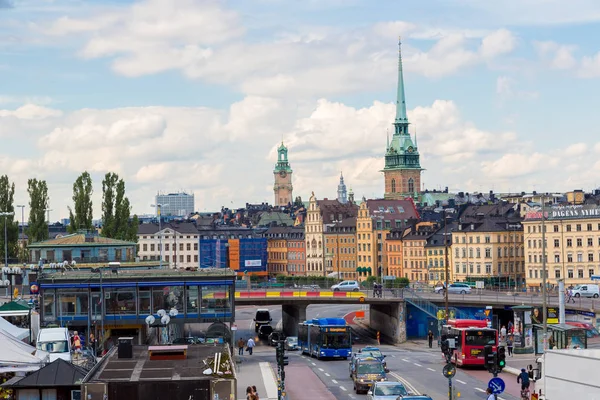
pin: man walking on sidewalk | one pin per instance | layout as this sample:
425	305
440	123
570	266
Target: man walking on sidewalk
241	345
250	345
430	339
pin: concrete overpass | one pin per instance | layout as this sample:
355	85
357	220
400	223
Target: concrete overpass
388	314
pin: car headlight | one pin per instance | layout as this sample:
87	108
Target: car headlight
382	379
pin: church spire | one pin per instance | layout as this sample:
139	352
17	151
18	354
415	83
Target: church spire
401	121
341	192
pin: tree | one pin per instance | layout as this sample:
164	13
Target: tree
7	194
298	202
37	229
81	216
116	210
108	204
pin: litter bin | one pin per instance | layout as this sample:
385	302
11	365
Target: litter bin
125	347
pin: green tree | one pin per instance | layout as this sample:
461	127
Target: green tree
37	229
108	204
81	215
7	194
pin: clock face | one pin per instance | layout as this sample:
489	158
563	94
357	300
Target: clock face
410	149
283	174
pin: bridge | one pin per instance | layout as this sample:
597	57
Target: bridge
388	313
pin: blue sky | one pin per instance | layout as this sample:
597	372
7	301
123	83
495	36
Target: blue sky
195	95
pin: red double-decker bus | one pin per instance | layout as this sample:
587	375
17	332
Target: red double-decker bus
471	336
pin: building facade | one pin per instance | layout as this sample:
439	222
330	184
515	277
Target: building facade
488	245
340	249
285	247
179	241
402	171
414	247
376	218
394	252
437	245
572	245
282	188
179	204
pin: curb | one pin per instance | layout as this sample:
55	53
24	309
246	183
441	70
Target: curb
512	371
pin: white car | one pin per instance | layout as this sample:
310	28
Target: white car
458	288
346	286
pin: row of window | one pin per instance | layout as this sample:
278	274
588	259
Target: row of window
340	240
568	228
461	252
513	238
167	258
579	242
477	268
534	258
170	236
182	246
535	273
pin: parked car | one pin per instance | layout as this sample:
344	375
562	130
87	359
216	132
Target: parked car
275	337
262	317
264	331
586	291
411	397
55	341
386	391
291	343
346	286
456	288
375	352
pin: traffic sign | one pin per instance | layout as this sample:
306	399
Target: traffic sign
497	385
449	370
234	327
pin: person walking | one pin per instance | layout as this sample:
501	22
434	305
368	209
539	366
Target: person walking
250	345
92	344
430	339
510	327
249	394
491	395
241	345
255	392
503	332
76	343
509	345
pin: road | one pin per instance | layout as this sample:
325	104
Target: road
419	370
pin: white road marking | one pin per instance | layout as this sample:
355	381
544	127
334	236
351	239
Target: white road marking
418	365
326	374
459	381
481	390
268	379
334	381
313	363
321	369
393	356
343	388
431	369
404	359
406	383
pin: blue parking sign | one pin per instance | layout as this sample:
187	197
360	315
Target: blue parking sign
497	385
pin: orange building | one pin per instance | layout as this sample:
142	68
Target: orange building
394	252
340	248
414	251
286	254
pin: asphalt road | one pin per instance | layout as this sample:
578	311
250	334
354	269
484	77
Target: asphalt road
420	371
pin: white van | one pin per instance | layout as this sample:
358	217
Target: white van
586	291
56	342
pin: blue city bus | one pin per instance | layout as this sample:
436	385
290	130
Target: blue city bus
325	338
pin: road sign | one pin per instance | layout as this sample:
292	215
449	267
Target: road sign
234	327
487	313
497	385
449	370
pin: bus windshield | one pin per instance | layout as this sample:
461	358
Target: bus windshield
480	338
336	340
370	368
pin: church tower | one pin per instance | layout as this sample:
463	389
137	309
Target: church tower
402	171
283	178
342	196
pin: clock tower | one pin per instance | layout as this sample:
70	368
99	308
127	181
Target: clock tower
402	171
283	178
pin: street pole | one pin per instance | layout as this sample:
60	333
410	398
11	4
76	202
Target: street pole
101	311
6	215
544	294
447	273
22	231
159	236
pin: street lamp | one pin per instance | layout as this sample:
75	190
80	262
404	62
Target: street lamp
158	208
6	215
47	211
22	233
98	270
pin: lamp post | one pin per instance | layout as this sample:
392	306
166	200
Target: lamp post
158	208
6	215
47	211
99	271
544	279
22	232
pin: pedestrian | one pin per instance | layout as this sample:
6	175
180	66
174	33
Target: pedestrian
509	345
255	392
241	345
530	371
76	343
571	295
430	339
249	394
491	395
250	345
92	344
510	327
523	379
503	332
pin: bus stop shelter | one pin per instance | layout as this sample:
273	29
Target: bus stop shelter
560	336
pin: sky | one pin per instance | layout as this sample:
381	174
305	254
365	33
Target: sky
196	95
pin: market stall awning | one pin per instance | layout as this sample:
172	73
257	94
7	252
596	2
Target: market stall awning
19	333
14	309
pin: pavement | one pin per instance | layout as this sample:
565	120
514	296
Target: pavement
256	370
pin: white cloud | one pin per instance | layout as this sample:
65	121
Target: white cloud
576	149
559	56
506	87
31	112
590	66
513	165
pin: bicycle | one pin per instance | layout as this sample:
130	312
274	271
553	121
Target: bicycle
525	394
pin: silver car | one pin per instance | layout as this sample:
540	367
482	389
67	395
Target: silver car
386	391
346	286
456	288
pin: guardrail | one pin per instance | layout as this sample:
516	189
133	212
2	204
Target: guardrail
297	294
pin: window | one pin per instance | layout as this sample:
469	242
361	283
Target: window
488	239
488	253
578	227
557	258
569	230
556	243
145	247
589	227
411	185
488	268
579	242
590	272
570	273
478	253
590	241
151	247
569	242
555	228
188	246
580	273
393	186
579	257
590	256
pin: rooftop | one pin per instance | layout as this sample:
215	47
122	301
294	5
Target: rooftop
81	239
140	368
138	274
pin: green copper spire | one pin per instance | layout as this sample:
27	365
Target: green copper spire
401	121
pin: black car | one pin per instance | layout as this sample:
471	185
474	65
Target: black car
275	337
264	331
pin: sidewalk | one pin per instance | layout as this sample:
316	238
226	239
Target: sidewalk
256	370
305	385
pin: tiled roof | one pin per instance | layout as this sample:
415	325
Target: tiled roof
335	209
79	239
266	218
392	210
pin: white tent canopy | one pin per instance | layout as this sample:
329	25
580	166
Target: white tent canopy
19	333
19	356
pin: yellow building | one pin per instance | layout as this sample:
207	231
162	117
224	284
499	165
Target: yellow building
340	248
572	245
376	218
285	250
488	245
414	254
436	256
319	214
394	252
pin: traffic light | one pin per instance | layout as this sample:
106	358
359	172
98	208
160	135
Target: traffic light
282	359
501	358
489	358
445	346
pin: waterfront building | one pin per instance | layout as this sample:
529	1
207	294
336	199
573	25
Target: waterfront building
180	204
